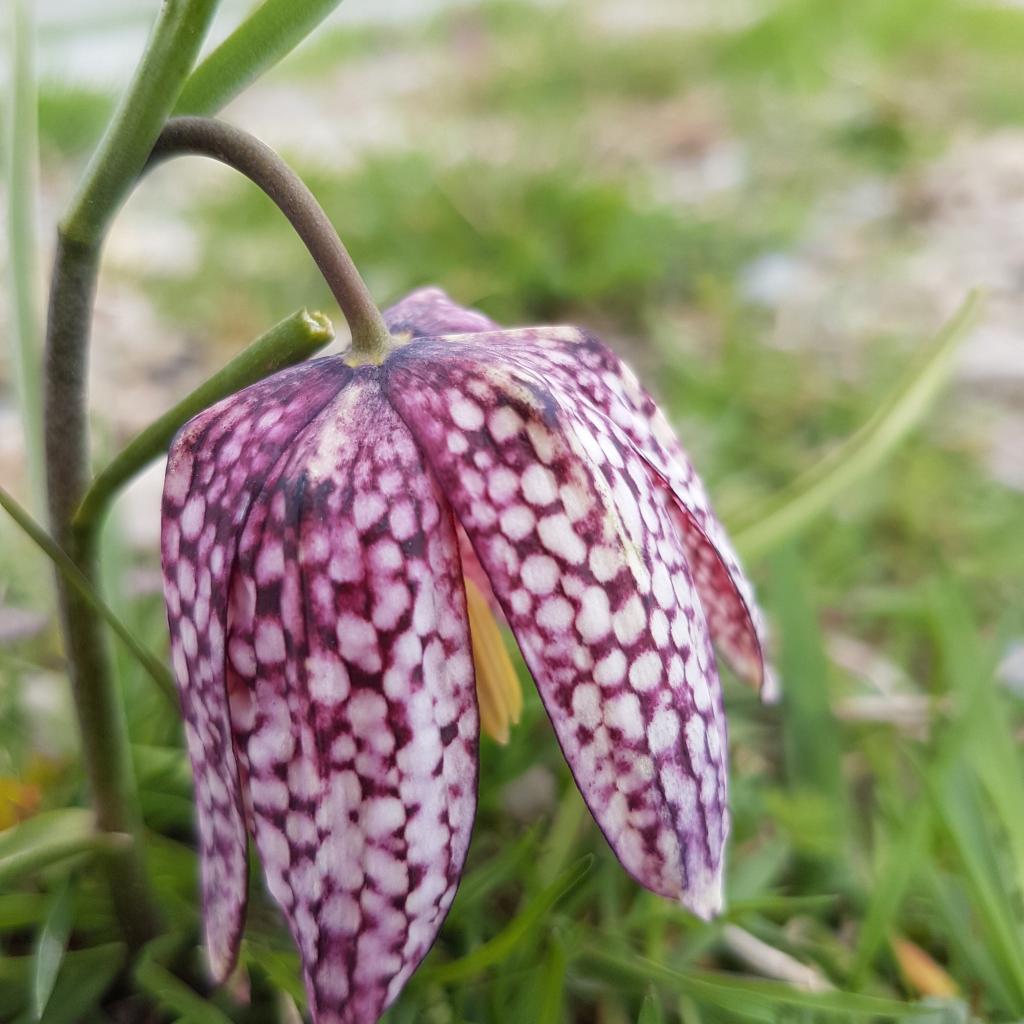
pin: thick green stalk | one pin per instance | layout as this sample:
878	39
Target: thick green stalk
287	343
270	33
122	153
22	157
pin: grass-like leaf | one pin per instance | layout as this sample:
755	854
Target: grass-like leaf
746	995
47	838
267	36
769	524
84	977
51	946
22	158
77	579
496	949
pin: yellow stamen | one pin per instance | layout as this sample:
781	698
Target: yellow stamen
497	685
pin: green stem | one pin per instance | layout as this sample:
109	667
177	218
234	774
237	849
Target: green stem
125	147
122	153
272	31
75	578
287	343
22	157
258	162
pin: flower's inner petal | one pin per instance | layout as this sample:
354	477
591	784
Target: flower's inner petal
497	685
593	579
428	312
584	369
217	463
362	728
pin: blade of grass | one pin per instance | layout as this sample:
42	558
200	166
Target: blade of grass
51	946
971	673
78	580
497	949
22	161
956	919
552	987
47	838
966	824
263	39
769	524
889	886
650	1010
172	994
85	975
168	991
810	732
733	991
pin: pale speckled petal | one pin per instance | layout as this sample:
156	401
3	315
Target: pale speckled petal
356	704
586	560
428	312
583	367
586	369
217	463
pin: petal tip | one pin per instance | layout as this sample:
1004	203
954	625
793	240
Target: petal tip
706	898
771	688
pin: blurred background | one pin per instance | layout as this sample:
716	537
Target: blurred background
768	208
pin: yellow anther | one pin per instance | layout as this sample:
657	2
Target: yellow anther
497	685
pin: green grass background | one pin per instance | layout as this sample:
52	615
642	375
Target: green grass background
533	184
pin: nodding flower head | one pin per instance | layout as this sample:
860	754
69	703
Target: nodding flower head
332	540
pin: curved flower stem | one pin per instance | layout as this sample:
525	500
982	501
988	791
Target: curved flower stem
169	55
261	165
287	343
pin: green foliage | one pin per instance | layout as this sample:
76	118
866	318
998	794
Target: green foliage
847	831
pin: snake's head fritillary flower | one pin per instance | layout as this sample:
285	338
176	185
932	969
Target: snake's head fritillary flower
321	530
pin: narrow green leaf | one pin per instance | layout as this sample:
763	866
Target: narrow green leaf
21	910
498	948
84	978
51	945
892	877
46	839
651	1011
967	825
282	968
971	673
263	39
85	975
738	992
769	524
811	734
170	993
22	164
77	579
496	871
552	986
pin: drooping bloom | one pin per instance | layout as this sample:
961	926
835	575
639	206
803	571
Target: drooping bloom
319	530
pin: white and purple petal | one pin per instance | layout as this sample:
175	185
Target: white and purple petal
356	708
217	464
429	312
583	368
584	555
